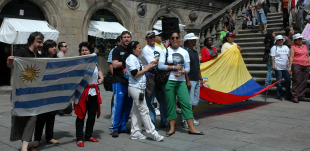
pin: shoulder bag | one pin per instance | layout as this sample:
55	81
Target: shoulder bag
162	76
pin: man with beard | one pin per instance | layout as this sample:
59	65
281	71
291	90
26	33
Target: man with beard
23	126
122	103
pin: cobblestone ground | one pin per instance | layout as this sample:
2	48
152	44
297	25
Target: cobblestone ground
246	126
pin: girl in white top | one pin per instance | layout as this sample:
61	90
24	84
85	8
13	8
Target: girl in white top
136	89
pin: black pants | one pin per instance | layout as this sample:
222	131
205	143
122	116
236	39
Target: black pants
47	119
91	109
285	18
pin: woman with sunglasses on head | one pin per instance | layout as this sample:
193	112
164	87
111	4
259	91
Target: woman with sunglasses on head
47	119
136	89
299	65
178	62
89	102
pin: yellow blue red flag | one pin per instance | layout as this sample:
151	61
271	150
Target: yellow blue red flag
227	80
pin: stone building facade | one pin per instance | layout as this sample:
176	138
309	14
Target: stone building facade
71	18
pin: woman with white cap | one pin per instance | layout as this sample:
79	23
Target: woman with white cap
280	63
299	65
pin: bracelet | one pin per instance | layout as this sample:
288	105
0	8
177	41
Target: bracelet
289	68
172	67
144	69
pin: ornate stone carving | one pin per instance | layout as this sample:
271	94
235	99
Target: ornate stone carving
73	4
141	9
193	15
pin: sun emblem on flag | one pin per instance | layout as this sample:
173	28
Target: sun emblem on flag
206	82
30	73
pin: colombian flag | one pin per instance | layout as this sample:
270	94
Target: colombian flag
227	80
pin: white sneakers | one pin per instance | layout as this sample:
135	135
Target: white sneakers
138	135
196	123
157	112
179	111
184	123
158	138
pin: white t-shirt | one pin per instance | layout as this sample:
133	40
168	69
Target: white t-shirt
150	53
60	54
281	54
227	45
93	80
176	57
133	63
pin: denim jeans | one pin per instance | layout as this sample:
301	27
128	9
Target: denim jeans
283	74
160	96
269	77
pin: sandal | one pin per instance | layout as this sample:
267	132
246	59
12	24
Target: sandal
169	134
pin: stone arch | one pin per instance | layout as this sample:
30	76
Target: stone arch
116	8
167	12
48	8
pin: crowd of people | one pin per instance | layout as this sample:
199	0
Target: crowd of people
135	68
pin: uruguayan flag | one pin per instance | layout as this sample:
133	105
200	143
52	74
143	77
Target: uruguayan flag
42	85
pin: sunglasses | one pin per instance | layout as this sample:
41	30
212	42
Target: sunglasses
175	38
64	46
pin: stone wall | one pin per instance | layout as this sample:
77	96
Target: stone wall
73	23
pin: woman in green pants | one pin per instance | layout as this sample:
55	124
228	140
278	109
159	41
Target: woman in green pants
179	64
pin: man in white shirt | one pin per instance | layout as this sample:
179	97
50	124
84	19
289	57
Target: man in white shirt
151	53
63	48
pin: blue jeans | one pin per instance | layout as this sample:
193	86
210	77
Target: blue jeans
269	77
160	96
121	108
283	74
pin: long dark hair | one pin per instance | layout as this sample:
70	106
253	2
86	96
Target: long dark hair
132	45
268	36
46	45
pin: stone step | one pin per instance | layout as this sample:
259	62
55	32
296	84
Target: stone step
274	14
253	49
250	39
274	21
252	54
254	62
251	44
274	17
5	90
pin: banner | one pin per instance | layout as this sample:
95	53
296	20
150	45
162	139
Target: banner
42	85
227	79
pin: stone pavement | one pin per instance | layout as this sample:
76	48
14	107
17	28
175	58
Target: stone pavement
246	126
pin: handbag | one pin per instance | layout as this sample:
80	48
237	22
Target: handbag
107	84
162	76
68	109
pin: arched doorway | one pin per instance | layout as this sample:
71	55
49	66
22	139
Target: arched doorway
15	9
103	45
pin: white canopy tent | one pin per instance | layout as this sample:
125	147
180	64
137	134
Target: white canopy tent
158	26
17	31
105	30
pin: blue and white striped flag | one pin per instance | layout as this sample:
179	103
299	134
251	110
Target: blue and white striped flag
42	85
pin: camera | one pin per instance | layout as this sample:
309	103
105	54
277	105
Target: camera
141	96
